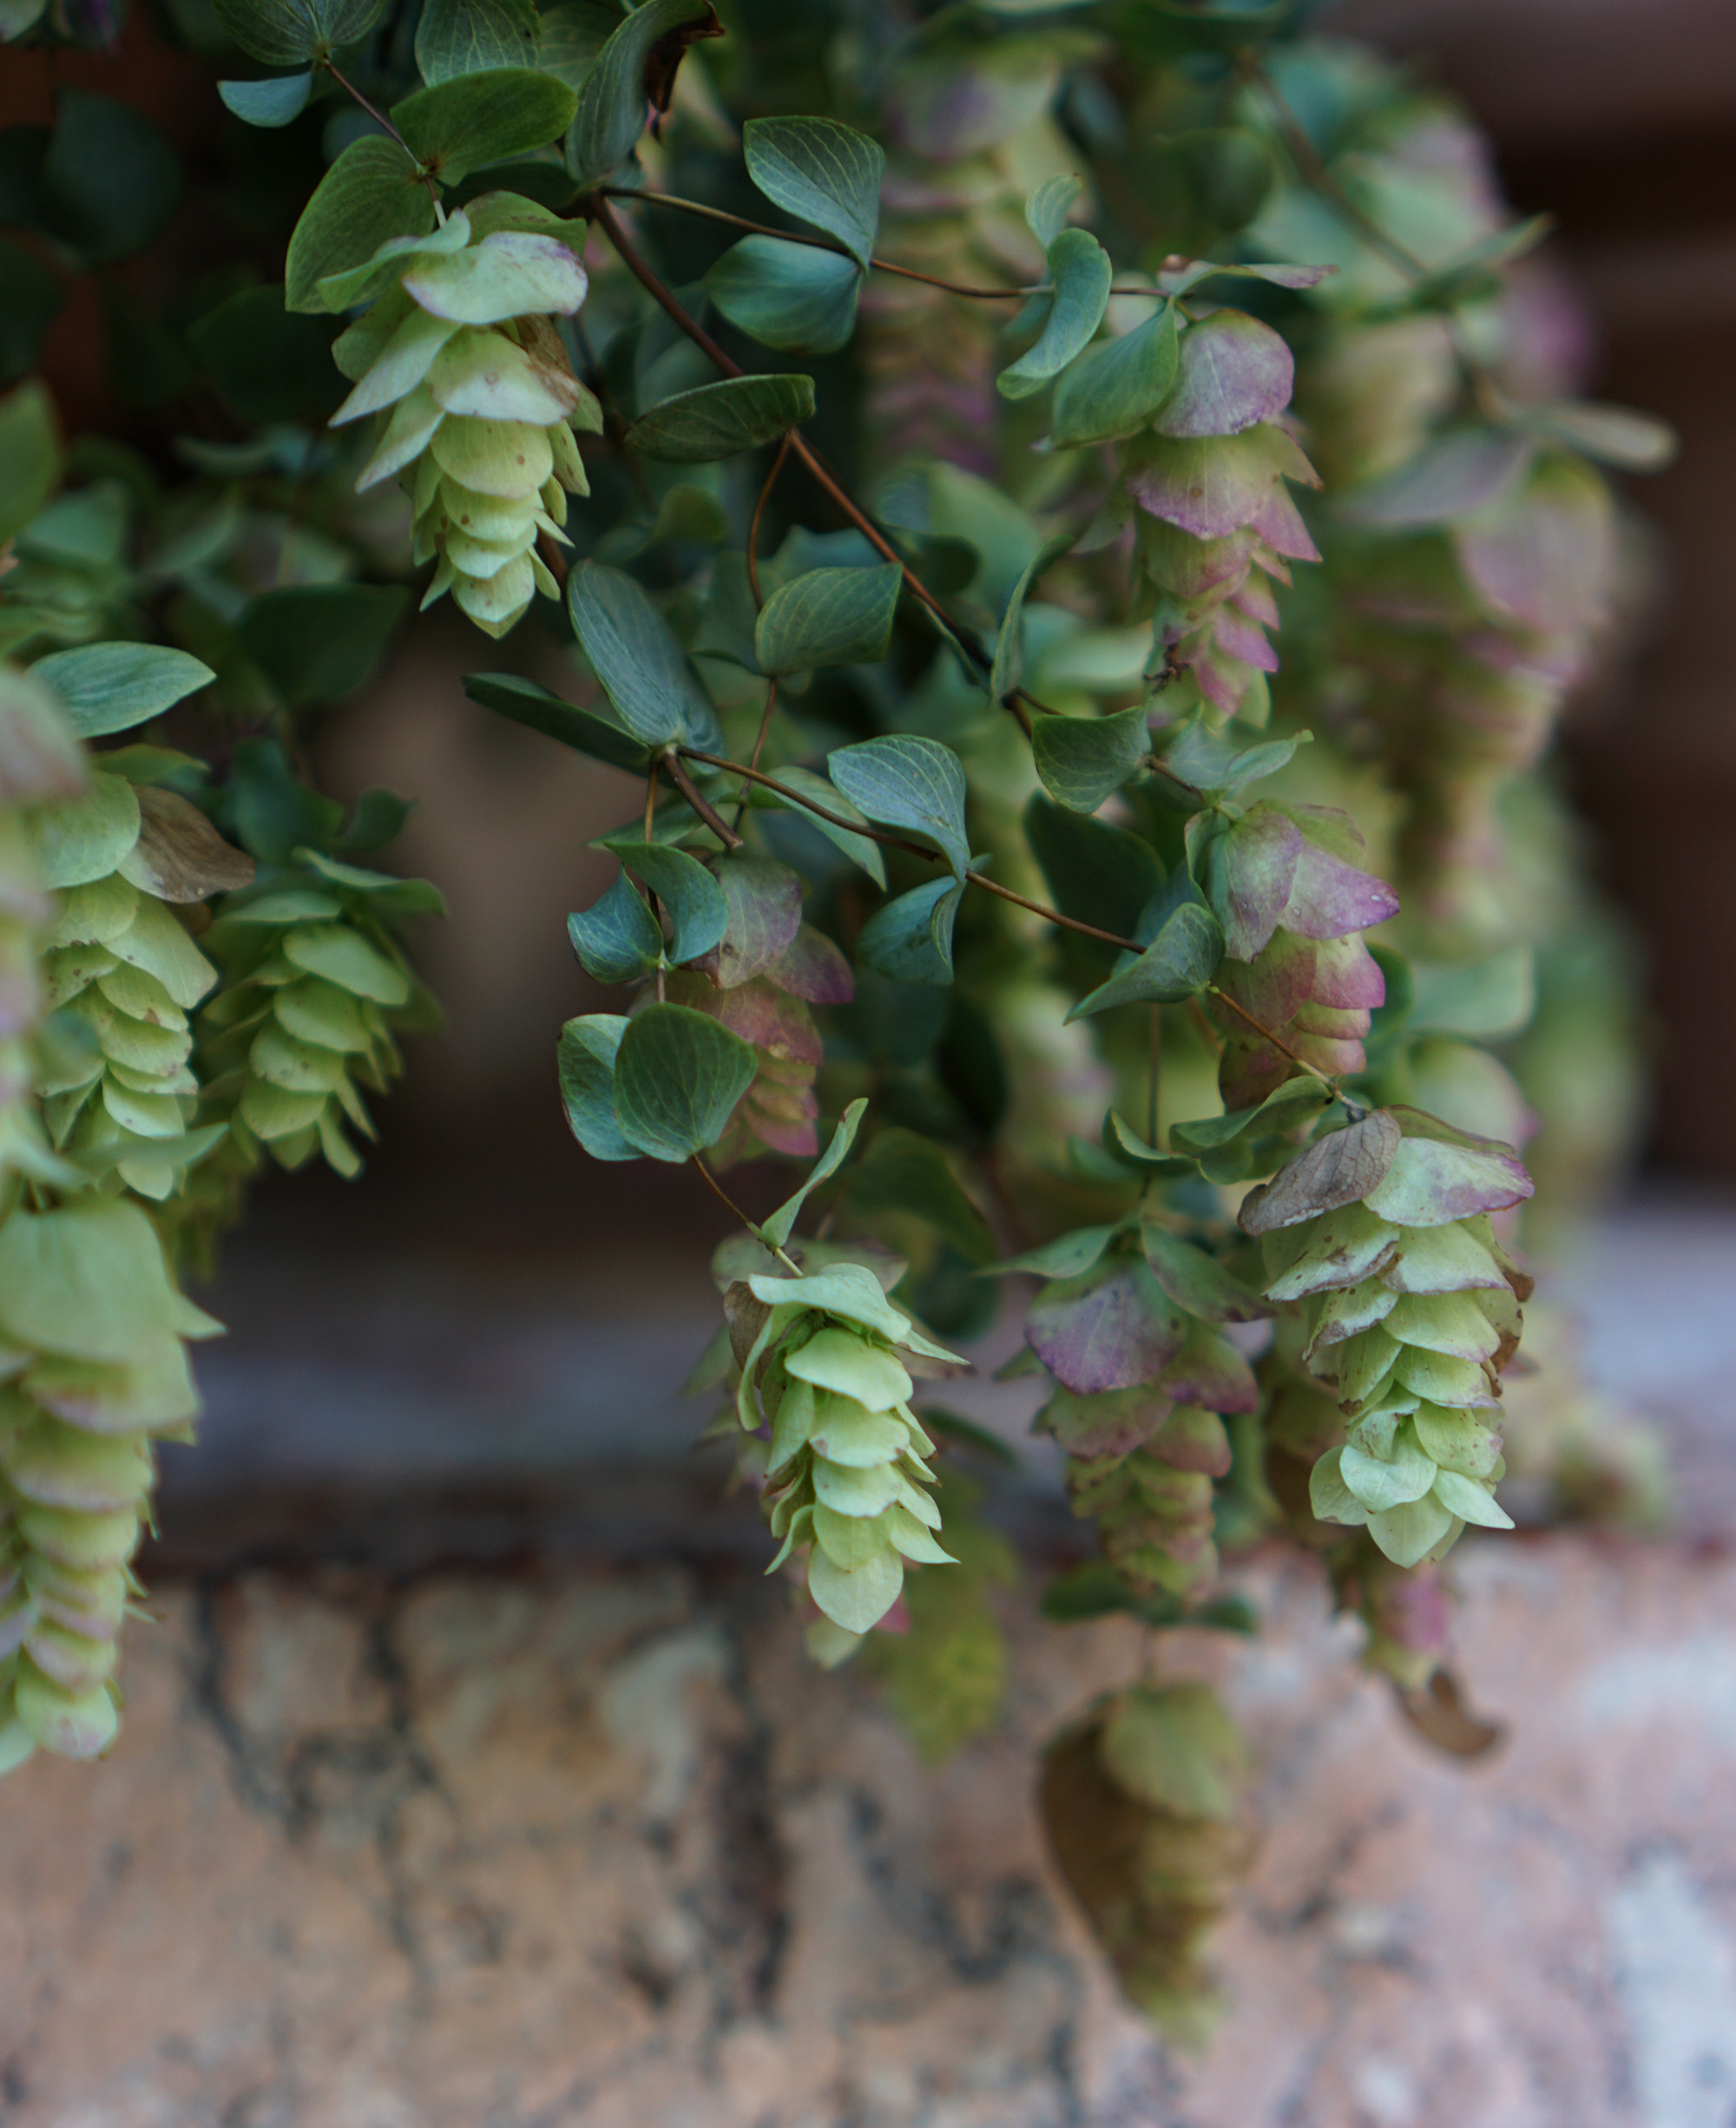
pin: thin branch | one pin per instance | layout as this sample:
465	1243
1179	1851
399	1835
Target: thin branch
814	243
795	798
600	212
1054	915
386	126
770	481
723	1196
1277	1041
702	806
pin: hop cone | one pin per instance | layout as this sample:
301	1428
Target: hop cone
94	1331
1140	1802
1141	1386
1382	1233
122	973
845	1470
477	400
315	986
1214	523
39	760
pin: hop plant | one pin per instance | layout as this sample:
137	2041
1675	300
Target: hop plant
1411	1309
477	401
1141	1802
96	1332
39	763
123	974
844	1474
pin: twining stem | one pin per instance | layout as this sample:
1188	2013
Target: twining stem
723	1196
701	803
842	251
814	243
386	126
667	301
1277	1041
770	481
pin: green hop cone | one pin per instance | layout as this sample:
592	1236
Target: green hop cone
1381	1233
1141	1802
40	761
475	400
94	1329
122	973
316	988
845	1475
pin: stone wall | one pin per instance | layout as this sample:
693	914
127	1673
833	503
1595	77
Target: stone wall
594	1846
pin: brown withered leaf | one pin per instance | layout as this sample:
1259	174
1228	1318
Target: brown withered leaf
179	856
745	1316
1339	1170
663	61
1437	1712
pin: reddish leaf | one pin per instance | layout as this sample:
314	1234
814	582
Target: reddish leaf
763	899
1112	1422
1545	552
1249	873
1108	1329
811	967
1193	1438
1329	898
1233	371
1343	1168
1209	1371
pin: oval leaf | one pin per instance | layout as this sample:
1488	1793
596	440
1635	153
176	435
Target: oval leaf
1082	759
1113	390
372	193
588	1052
1081	270
112	686
611	109
904	781
678	1075
828	617
272	102
716	421
1177	965
458	126
791	296
289	33
634	652
1233	371
526	702
824	173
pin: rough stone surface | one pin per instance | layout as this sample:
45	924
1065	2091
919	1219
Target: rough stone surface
595	1847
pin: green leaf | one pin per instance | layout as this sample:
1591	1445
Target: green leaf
318	642
1483	999
111	177
1097	874
1198	1282
1081	271
910	938
290	33
266	364
777	1230
859	848
29	456
1046	209
611	108
1113	388
678	1076
824	173
617	939
905	1171
699	911
1175	1748
642	667
588	1052
273	812
573	35
1616	434
1008	666
828	617
1199	756
372	193
1082	759
30	300
715	421
476	37
525	702
275	101
461	124
85	838
791	296
112	686
902	781
1177	965
1066	1257
1290	1105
